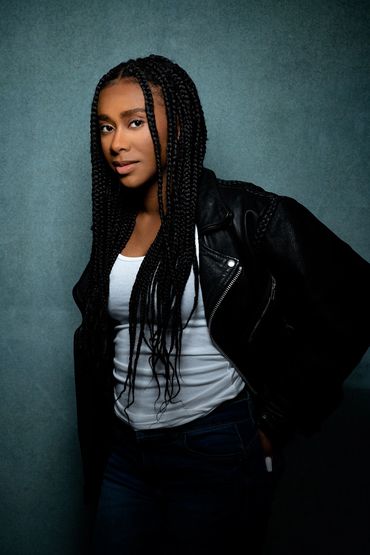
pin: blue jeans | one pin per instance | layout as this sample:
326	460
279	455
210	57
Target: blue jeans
198	488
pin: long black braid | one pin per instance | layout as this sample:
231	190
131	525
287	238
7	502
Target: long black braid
155	303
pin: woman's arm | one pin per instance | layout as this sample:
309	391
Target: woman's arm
323	304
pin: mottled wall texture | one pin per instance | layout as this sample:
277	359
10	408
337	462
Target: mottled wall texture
285	88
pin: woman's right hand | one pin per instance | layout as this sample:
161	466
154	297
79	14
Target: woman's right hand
267	449
266	443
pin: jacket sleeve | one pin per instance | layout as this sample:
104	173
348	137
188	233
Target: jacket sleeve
79	290
93	400
322	306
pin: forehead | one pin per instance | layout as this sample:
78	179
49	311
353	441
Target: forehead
121	93
125	94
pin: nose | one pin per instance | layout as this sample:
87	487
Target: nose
119	141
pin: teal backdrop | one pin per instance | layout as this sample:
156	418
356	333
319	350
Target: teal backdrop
285	90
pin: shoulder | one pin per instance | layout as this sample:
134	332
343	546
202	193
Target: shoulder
244	200
235	192
279	218
248	196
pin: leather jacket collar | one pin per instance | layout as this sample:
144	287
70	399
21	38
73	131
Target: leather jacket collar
211	210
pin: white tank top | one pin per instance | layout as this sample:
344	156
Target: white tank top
206	377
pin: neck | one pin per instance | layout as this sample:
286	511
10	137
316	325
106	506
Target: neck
148	200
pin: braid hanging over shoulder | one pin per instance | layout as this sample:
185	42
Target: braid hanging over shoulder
155	303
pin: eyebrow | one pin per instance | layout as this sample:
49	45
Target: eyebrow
124	114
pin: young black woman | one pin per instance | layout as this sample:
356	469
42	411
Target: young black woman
218	320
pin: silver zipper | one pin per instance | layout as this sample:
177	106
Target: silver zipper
269	301
224	295
209	328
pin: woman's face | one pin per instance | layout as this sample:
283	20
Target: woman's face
125	136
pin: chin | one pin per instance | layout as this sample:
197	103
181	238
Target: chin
132	185
135	182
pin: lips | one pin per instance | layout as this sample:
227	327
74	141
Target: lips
124	163
125	167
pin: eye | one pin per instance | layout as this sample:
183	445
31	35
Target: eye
136	123
105	128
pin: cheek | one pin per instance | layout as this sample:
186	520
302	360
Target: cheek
104	147
148	148
163	140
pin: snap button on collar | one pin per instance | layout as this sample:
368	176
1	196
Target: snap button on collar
231	263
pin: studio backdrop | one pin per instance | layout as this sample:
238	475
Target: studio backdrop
285	90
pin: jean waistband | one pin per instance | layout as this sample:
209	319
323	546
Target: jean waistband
233	410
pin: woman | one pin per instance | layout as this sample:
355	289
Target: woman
218	321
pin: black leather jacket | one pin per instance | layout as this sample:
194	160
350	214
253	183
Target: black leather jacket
286	301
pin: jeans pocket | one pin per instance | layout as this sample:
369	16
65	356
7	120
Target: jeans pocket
219	441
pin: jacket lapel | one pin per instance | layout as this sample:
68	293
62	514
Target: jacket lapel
218	259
